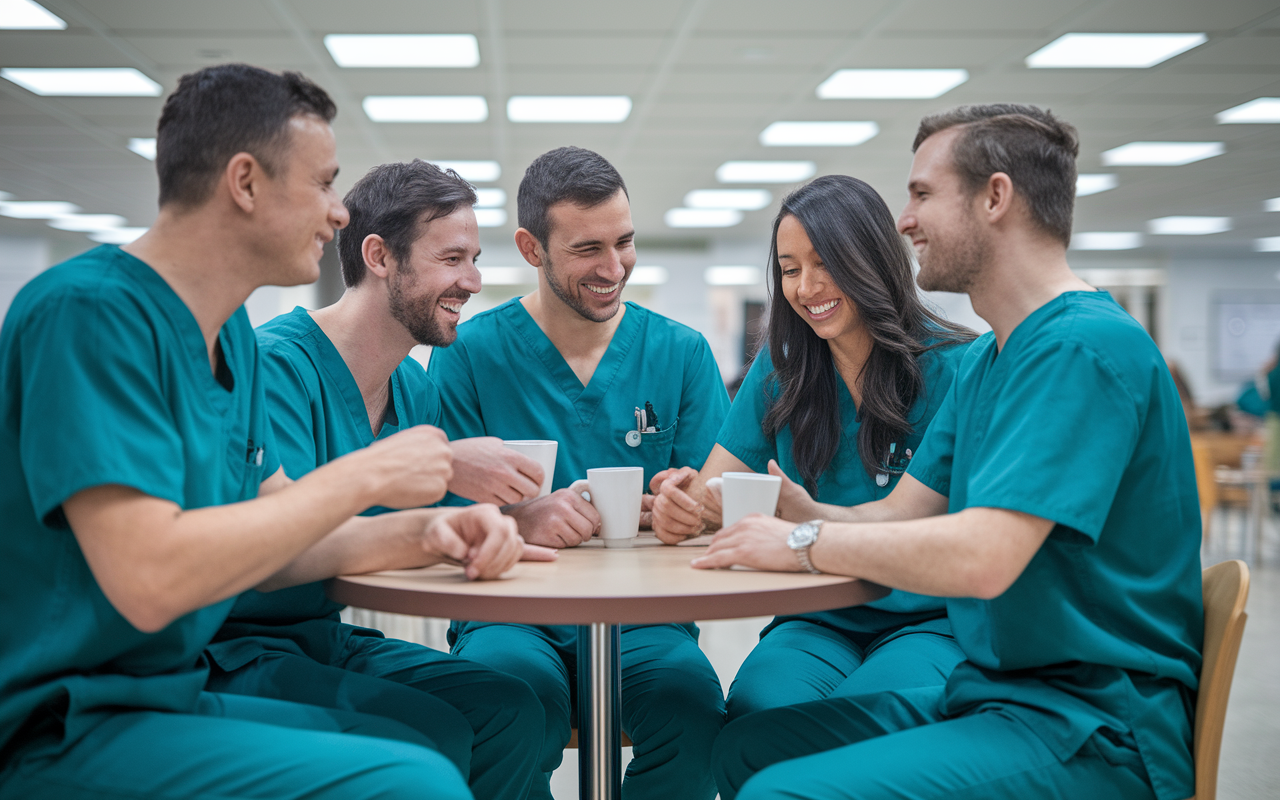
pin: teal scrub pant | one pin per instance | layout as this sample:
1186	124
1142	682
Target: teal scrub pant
799	661
672	702
234	747
489	724
898	745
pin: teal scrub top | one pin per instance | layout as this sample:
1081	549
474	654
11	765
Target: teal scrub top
105	379
503	377
318	414
845	482
1078	421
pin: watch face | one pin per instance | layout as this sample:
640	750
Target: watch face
802	536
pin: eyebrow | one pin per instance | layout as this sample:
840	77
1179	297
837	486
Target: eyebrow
592	242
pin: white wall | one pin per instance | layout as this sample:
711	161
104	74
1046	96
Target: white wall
21	259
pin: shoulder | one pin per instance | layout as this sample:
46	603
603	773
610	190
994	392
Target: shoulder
99	277
487	321
665	331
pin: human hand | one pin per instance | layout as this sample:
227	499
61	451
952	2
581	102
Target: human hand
487	472
794	502
479	538
646	512
408	469
676	516
561	519
754	541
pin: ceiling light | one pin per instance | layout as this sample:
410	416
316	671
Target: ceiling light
87	223
765	171
818	134
1088	184
1106	240
117	235
648	276
426	109
733	276
1189	226
1272	205
24	15
875	84
508	276
5	196
491	217
1264	109
1267	244
481	171
403	50
742	199
490	198
1169	154
144	147
568	109
1114	50
112	82
36	209
702	217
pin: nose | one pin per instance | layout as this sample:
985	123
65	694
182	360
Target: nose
811	283
616	267
906	220
339	216
470	280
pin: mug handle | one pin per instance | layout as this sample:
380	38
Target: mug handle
581	487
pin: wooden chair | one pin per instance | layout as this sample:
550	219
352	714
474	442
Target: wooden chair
1226	588
573	740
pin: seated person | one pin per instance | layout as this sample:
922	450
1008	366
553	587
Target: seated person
1052	501
338	380
144	492
866	366
572	362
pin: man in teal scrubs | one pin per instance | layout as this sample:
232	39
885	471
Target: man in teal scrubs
1052	501
338	380
572	362
143	491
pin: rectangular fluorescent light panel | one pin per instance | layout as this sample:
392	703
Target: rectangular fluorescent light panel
144	147
491	217
490	198
568	109
702	217
37	209
508	276
481	171
741	199
818	134
24	15
1113	50
1092	183
1267	244
882	84
1272	205
648	276
111	82
426	109
765	171
1189	226
117	235
733	276
1167	154
1106	240
1264	109
403	50
87	223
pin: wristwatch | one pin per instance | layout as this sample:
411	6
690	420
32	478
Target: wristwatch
801	539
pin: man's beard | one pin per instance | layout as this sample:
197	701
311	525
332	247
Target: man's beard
418	315
954	266
586	312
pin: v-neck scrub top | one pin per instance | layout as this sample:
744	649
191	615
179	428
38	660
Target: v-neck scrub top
105	380
1077	420
845	482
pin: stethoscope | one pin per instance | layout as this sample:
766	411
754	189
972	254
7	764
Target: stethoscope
895	464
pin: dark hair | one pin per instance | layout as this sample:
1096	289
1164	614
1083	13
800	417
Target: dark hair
395	201
855	235
219	111
571	174
1029	144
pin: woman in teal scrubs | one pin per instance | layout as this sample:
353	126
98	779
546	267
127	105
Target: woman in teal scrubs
866	365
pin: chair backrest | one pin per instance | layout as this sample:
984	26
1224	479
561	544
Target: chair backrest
1226	588
1202	453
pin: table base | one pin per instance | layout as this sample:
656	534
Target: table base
599	712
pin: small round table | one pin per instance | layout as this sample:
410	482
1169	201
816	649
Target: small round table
599	589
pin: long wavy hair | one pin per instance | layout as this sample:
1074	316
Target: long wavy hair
854	233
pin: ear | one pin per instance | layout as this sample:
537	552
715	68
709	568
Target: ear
997	198
244	177
377	258
529	247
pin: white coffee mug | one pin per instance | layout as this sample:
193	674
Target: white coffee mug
541	450
743	493
616	493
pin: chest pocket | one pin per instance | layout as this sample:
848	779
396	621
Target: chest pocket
653	449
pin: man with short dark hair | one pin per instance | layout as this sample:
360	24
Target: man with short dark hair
143	489
1052	502
338	380
572	362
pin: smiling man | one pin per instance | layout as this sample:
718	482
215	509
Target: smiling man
572	362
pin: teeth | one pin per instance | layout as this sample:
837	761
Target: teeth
605	289
454	307
822	309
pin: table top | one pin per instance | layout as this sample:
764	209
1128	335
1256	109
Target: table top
647	583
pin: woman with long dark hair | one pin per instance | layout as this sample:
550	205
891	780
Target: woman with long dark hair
837	402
